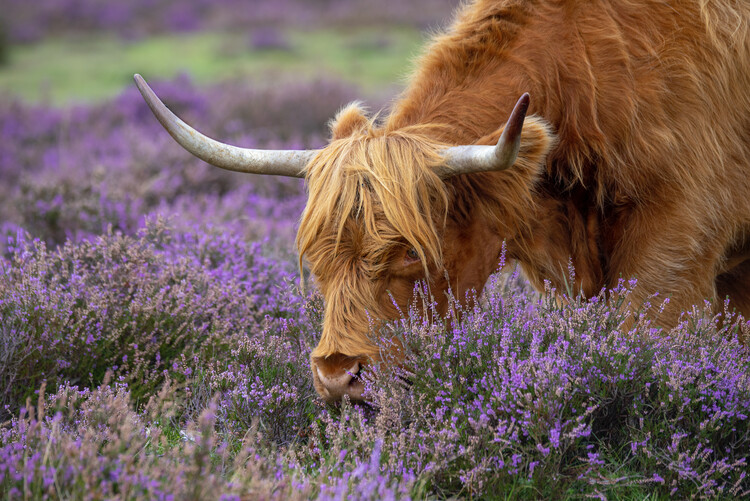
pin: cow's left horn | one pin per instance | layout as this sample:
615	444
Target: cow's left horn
291	163
478	158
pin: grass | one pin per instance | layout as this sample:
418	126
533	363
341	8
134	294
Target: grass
94	68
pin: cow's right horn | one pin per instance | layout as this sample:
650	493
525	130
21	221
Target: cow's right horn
291	163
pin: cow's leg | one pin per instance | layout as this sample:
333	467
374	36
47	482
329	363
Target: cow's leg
735	283
668	255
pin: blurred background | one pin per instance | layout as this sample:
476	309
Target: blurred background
80	153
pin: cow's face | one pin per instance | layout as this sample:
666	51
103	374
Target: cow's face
379	220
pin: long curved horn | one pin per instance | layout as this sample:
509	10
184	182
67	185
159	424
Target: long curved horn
478	158
291	163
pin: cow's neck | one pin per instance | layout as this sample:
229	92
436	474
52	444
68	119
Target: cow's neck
564	242
565	227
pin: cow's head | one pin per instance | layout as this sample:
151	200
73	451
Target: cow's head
388	208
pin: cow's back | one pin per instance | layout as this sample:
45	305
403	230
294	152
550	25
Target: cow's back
640	93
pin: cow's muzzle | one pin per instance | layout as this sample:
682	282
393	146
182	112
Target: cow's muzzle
337	375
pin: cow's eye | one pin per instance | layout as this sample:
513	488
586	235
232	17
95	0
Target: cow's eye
412	254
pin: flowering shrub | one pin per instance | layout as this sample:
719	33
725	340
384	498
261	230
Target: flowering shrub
144	306
564	400
92	445
518	395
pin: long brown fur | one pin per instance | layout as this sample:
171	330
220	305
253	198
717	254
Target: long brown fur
349	234
646	175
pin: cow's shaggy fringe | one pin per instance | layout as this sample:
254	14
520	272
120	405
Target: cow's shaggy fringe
377	187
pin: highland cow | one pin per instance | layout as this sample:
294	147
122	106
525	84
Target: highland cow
633	162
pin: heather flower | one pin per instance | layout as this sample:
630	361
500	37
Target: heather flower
137	306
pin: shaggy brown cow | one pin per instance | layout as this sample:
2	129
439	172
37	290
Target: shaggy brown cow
634	163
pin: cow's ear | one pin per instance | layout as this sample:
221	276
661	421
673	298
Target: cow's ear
349	120
537	139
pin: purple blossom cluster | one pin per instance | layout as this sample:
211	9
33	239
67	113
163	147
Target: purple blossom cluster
147	308
516	395
27	21
91	444
581	399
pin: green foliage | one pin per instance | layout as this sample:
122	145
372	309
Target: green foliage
95	68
